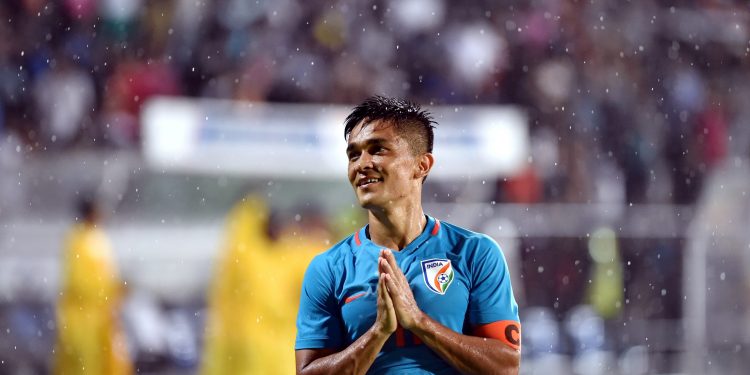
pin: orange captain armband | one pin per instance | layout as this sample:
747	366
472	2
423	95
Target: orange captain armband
507	331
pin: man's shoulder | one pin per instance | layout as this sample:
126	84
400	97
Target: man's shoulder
324	267
335	253
340	248
460	234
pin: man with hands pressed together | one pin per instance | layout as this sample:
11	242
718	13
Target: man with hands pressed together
407	293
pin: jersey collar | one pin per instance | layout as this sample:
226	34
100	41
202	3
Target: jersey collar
430	230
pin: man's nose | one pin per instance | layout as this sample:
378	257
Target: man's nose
364	161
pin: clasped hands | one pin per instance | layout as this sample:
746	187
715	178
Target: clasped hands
396	303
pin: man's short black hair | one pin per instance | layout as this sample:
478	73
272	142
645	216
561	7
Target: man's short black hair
412	122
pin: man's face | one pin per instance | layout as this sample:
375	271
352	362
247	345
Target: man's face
382	168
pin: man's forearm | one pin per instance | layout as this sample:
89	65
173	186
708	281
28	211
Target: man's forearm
355	359
467	354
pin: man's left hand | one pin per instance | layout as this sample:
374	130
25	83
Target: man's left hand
408	313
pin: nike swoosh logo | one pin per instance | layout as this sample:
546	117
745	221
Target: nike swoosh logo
353	297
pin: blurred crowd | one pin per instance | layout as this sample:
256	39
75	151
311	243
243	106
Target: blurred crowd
649	92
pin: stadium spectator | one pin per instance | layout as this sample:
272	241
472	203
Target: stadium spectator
255	291
63	98
89	337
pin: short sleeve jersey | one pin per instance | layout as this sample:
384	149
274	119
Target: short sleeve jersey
459	278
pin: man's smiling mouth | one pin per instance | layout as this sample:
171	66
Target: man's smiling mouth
368	181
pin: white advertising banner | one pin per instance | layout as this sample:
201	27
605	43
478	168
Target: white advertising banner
307	141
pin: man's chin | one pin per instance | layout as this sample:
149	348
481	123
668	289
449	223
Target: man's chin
367	203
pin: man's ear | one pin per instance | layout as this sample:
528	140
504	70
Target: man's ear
426	161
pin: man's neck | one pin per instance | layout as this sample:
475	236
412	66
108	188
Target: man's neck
396	227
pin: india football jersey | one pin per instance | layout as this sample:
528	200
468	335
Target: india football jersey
459	278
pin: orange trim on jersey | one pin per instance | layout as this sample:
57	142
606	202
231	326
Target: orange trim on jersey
353	297
436	228
507	331
356	238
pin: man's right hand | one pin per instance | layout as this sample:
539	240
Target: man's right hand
385	322
358	356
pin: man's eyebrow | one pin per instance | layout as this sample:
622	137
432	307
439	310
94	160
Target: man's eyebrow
372	141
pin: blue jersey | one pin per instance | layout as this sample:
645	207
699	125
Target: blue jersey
459	278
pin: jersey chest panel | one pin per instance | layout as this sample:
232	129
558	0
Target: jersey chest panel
358	296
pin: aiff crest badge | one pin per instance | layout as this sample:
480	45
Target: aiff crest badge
438	274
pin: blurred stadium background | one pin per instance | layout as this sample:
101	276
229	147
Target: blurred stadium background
603	143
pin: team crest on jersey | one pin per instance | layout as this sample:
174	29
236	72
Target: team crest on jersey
438	274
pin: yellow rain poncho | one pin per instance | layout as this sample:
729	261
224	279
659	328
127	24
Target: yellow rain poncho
254	297
89	337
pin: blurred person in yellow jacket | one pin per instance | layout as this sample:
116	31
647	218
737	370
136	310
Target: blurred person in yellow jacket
89	336
254	296
605	291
